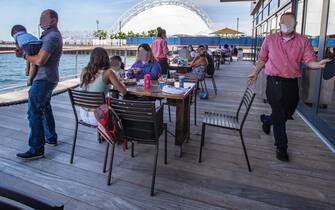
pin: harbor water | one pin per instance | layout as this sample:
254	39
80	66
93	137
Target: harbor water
12	69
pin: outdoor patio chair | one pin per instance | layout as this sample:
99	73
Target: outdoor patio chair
17	199
142	123
217	56
86	100
227	57
232	122
210	70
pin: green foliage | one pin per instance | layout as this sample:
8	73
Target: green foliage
152	33
100	34
131	34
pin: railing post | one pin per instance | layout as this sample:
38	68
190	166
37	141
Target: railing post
76	64
125	56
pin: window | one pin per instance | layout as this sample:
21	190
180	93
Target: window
312	31
266	12
283	2
300	12
273	5
326	108
257	19
273	25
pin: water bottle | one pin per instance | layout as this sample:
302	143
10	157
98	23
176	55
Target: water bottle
181	81
147	81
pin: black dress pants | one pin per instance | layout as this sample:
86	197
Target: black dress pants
283	97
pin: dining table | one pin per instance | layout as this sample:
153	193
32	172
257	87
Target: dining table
180	68
182	102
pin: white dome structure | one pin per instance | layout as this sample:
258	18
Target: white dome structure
175	16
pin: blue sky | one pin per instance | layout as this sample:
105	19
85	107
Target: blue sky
80	15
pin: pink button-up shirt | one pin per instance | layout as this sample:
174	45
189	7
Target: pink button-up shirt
160	49
283	58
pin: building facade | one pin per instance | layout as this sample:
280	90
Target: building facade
316	21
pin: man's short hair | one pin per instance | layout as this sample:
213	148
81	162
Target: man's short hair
291	14
18	28
52	13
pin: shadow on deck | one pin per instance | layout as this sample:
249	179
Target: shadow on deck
221	181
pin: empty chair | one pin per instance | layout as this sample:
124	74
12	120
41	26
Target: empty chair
85	100
142	122
232	122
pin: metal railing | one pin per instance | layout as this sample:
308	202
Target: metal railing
22	86
19	87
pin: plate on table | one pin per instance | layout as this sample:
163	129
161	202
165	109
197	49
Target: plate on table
129	82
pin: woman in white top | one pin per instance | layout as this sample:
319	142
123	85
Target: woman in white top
97	76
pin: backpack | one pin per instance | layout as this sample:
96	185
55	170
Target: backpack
110	125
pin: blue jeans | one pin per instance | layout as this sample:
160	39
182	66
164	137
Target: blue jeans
41	119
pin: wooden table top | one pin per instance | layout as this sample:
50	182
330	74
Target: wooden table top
155	91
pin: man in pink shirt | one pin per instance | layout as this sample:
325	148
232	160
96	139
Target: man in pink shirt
281	55
160	49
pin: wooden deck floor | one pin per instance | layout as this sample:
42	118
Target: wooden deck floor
220	182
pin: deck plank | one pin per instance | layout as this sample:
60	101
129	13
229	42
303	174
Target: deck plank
221	181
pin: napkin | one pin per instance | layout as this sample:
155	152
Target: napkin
173	90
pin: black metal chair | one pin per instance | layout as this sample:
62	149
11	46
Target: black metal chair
213	82
86	100
229	121
193	100
210	71
217	56
227	57
142	123
24	199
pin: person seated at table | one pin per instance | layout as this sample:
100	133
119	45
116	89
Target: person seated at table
219	49
193	53
97	76
200	63
118	58
185	54
235	51
209	51
226	49
145	63
115	64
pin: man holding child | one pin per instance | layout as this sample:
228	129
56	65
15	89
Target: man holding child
40	116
